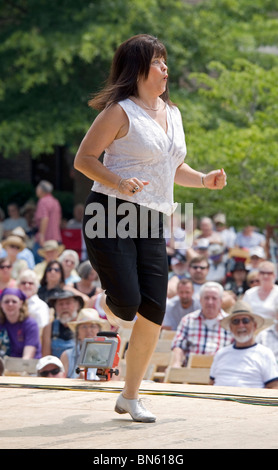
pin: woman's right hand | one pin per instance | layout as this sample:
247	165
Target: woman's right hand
131	186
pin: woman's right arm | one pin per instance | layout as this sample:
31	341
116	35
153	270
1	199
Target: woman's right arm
111	124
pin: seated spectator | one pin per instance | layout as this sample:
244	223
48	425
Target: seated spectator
69	259
50	366
201	246
198	271
269	336
89	281
217	266
25	254
244	363
52	281
226	234
179	271
28	283
252	278
13	246
28	212
23	331
78	213
249	238
6	279
13	220
256	256
263	299
237	281
180	305
200	332
57	336
50	251
87	325
207	231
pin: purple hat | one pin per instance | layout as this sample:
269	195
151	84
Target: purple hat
13	291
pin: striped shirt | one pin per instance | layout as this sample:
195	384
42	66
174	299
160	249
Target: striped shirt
196	334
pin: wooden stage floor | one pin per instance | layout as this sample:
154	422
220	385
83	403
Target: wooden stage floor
48	413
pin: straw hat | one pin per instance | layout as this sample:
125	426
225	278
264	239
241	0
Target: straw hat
14	240
240	308
87	315
51	245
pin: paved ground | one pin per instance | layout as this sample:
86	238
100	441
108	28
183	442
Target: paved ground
73	414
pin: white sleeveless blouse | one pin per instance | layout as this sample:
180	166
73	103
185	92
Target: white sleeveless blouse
149	154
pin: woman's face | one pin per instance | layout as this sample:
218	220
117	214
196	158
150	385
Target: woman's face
53	273
10	305
68	264
5	270
28	287
87	330
157	78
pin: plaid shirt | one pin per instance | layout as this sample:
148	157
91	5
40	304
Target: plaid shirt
194	336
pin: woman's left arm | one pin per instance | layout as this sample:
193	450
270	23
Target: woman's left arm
187	176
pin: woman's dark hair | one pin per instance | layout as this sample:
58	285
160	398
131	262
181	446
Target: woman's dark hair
49	265
132	59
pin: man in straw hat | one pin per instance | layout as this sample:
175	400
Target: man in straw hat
87	325
244	363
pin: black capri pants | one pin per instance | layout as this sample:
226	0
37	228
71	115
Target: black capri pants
126	247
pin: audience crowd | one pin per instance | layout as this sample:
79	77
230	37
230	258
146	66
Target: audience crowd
222	295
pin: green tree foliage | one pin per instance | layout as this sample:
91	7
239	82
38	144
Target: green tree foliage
223	68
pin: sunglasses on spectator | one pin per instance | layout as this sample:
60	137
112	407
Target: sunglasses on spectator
27	282
266	272
53	269
244	321
14	246
7	266
199	267
46	373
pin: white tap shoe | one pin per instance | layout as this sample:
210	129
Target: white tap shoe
135	408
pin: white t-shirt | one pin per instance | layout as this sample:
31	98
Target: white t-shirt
265	308
251	367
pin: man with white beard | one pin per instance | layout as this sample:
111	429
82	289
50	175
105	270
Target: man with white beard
244	363
56	335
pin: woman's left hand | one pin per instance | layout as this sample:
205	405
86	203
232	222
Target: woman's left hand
215	179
